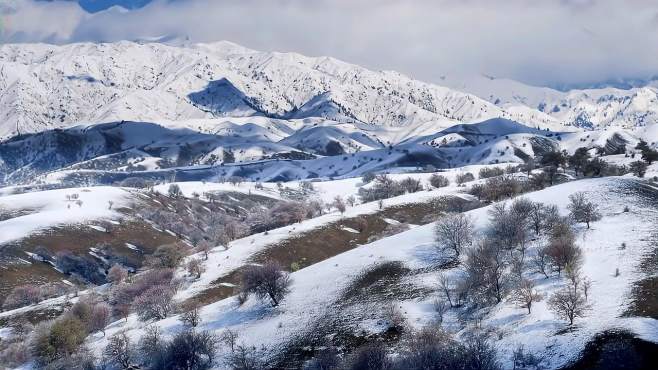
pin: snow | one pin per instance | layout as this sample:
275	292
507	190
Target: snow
317	286
51	208
98	228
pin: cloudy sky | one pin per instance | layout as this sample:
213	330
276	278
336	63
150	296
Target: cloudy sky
542	42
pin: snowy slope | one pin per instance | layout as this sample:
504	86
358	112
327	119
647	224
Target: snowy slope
46	86
589	108
316	288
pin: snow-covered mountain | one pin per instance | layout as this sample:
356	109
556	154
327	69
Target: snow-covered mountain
588	109
47	86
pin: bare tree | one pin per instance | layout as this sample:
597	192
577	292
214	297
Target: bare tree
486	271
266	281
351	200
191	350
155	303
445	285
117	274
204	247
541	261
195	267
568	304
454	232
562	250
229	338
119	351
441	307
582	210
587	286
339	203
191	316
525	295
100	317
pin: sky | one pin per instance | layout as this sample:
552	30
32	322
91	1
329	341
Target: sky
540	42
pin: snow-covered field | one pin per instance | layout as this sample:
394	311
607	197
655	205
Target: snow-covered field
51	208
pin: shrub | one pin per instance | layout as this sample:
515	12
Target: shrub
464	178
117	274
191	350
174	191
486	172
167	256
23	295
439	181
58	340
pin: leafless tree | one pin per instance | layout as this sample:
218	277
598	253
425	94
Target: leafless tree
486	271
441	307
339	203
582	210
191	316
568	304
119	351
117	274
454	232
524	294
195	267
204	247
587	286
229	338
266	281
351	200
100	317
562	249
155	303
446	287
542	261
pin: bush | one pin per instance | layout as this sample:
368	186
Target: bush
88	269
174	191
464	178
117	274
15	354
23	295
58	340
439	181
487	172
125	293
167	256
191	350
369	357
639	168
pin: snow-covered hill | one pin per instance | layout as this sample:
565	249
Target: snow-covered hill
46	86
589	108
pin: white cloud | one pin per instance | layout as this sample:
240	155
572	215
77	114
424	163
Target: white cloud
542	42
